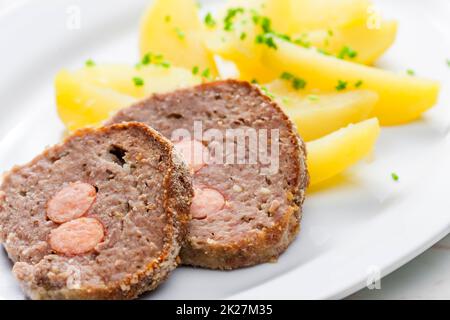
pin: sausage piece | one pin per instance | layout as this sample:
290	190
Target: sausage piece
71	202
194	153
77	236
206	201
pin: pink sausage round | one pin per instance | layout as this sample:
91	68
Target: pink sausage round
193	152
206	201
71	202
77	236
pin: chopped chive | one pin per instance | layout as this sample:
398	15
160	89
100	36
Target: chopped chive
330	32
165	64
89	63
394	176
342	85
254	81
206	73
448	62
180	33
229	18
209	20
267	92
302	42
138	82
155	59
298	83
243	36
410	72
146	59
346	51
286	76
195	70
313	97
324	52
358	83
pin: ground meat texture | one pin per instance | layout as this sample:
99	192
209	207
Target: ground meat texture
261	213
124	238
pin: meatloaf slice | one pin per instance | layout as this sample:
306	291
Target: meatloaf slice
100	216
241	217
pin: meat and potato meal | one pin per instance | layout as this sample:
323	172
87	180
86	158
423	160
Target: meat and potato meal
201	154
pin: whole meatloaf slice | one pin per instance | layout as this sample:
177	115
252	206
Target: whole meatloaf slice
100	216
242	212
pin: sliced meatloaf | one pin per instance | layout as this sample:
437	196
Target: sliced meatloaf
241	216
100	216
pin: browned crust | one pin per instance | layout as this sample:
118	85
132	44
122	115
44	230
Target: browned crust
178	195
271	242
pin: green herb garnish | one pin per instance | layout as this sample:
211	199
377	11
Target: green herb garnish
313	97
209	20
180	33
297	83
346	51
195	70
154	59
206	73
243	36
267	92
229	18
138	82
358	83
410	72
342	85
89	63
394	176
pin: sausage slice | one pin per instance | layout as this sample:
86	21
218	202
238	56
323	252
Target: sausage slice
71	202
206	201
77	236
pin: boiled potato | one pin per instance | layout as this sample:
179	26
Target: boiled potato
172	28
81	104
332	154
309	15
368	44
317	115
402	98
156	79
331	28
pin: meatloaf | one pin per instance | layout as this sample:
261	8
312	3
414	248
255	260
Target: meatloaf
100	216
241	216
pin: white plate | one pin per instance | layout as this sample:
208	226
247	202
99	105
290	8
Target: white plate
364	223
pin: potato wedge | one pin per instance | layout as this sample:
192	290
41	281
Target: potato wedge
332	154
368	44
402	98
156	79
173	28
317	115
81	104
307	15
